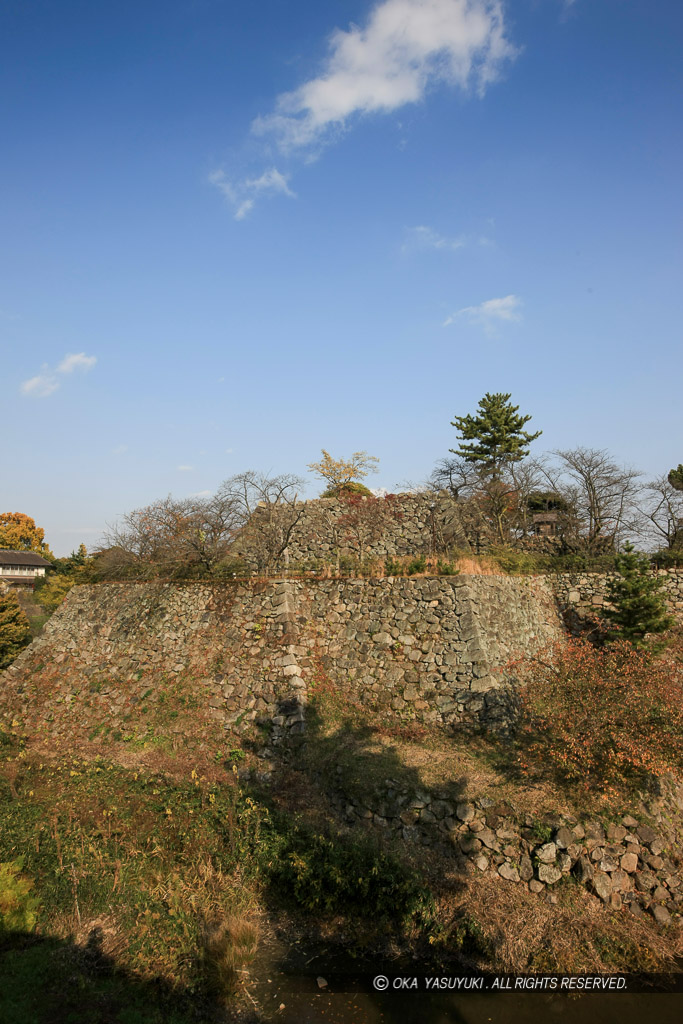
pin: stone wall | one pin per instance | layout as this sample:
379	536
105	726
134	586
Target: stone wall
174	658
579	594
421	524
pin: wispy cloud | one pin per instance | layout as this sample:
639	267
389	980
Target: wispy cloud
404	47
201	494
184	469
48	381
242	195
423	237
491	313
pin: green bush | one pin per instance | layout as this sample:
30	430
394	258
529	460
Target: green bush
344	875
417	565
668	558
344	490
15	630
18	909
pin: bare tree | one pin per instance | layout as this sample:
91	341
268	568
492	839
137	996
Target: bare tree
268	509
602	495
171	537
455	475
662	513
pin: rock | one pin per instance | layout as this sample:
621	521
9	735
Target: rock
465	812
594	830
526	868
656	847
468	844
602	886
564	862
646	834
549	874
620	880
509	872
480	861
629	862
629	821
615	901
584	870
547	853
597	853
645	881
488	838
536	886
660	914
660	894
564	838
609	864
615	833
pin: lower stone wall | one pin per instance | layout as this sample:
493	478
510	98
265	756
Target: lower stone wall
627	864
581	594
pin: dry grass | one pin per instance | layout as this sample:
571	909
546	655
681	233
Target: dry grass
229	943
478	565
576	934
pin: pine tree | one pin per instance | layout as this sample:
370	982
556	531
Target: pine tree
638	604
496	434
15	632
675	478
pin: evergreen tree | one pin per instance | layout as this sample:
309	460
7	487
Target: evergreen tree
675	478
638	604
495	435
15	632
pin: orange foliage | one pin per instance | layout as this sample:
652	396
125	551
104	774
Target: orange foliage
603	718
18	532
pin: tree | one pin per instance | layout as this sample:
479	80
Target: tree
638	608
15	632
18	532
365	520
268	510
675	478
602	496
341	474
662	512
494	438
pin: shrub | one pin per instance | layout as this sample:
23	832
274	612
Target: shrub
344	875
18	909
417	565
669	558
15	631
596	718
344	490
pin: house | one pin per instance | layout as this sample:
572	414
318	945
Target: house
21	567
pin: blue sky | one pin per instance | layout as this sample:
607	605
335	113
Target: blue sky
236	233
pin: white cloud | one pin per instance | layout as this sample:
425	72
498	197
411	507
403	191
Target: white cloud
184	469
423	237
201	494
490	313
404	47
242	195
120	449
76	361
42	385
48	381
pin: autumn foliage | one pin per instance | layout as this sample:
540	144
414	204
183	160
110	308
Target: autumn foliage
600	718
18	532
15	632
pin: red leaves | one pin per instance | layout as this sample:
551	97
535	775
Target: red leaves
600	717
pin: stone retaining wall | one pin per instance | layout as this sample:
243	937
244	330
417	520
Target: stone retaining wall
580	594
428	649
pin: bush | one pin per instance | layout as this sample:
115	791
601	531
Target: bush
347	875
417	565
668	558
344	490
15	631
18	909
597	718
